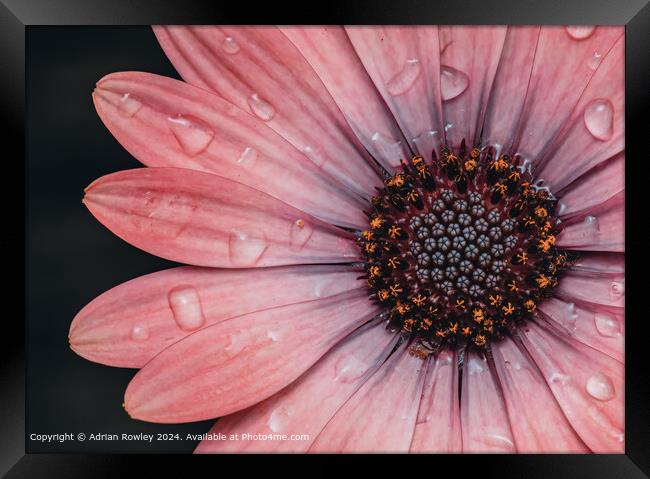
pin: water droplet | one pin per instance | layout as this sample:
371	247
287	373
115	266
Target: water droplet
261	108
248	157
426	141
315	155
587	231
193	136
405	78
230	45
561	207
245	247
497	440
600	387
274	335
452	82
580	32
186	307
595	60
449	126
475	366
607	325
570	315
617	289
559	378
139	333
387	147
348	369
300	233
237	342
278	418
129	105
599	119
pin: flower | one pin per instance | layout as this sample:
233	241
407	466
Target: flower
402	239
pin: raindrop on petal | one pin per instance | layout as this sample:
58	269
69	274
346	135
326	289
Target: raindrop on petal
261	108
248	157
129	105
274	335
348	369
600	387
607	326
599	119
387	147
186	307
192	136
230	45
278	418
617	289
405	78
139	333
314	155
595	60
580	32
237	342
452	82
245	247
300	233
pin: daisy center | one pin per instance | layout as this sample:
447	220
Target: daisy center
461	250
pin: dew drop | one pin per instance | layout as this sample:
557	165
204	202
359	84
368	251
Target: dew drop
278	418
580	32
230	45
386	147
607	325
315	155
405	78
192	136
561	207
237	342
245	247
274	335
595	60
348	369
300	233
600	387
129	105
426	141
570	315
599	119
452	82
617	289
261	108
139	333
248	157
475	366
186	307
559	378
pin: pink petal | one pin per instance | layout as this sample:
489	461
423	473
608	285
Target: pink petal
600	328
602	230
438	425
234	364
329	51
600	184
595	130
468	62
605	291
588	386
381	415
510	85
484	419
537	422
556	84
259	70
599	264
179	125
203	219
131	323
328	384
403	62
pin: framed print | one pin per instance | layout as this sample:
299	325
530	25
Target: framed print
364	233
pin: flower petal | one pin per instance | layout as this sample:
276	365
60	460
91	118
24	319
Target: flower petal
438	425
588	386
599	264
381	415
329	51
602	230
206	220
484	419
600	328
403	62
259	70
468	62
329	383
234	364
537	422
595	130
556	84
598	185
595	291
510	85
131	323
179	125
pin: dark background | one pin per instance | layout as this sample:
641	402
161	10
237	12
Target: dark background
71	257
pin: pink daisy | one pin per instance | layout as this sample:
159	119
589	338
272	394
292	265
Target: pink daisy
401	238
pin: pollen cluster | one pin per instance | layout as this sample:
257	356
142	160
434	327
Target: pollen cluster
462	248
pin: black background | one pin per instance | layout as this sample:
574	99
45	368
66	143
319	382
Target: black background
71	257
